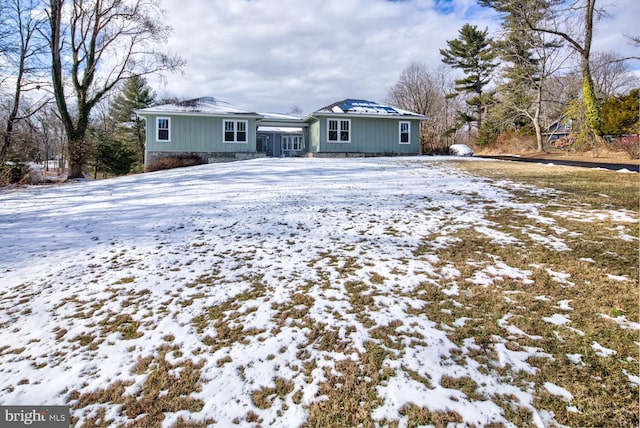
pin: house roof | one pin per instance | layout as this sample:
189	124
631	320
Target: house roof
280	129
210	106
203	105
279	120
560	126
365	107
282	117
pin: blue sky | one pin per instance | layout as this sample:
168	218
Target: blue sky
269	55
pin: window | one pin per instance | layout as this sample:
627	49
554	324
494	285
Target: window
339	130
292	143
235	131
405	132
163	127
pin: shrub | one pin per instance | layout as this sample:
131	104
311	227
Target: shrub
5	174
566	142
113	157
629	144
174	162
13	172
18	172
136	168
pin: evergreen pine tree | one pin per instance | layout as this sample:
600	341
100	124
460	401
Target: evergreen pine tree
136	94
620	114
527	58
473	53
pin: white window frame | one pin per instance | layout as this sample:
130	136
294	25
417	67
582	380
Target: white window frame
235	131
408	132
339	130
168	129
291	143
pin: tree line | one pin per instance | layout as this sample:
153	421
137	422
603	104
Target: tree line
72	71
538	71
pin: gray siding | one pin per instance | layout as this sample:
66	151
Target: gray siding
369	135
203	136
314	136
198	134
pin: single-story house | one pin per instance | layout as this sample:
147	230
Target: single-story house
558	129
216	131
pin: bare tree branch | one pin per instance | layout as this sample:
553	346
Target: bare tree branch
108	41
21	30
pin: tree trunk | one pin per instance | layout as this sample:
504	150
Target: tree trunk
591	103
536	126
11	120
536	118
592	107
77	151
7	139
141	138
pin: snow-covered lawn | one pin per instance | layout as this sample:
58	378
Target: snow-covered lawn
289	291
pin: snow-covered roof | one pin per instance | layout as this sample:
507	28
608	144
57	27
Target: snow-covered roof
279	129
281	116
279	120
216	107
202	105
365	107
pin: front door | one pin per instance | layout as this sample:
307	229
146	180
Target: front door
264	145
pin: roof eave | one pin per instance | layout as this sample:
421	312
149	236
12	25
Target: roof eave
147	112
380	116
283	123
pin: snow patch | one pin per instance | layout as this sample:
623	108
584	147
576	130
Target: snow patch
561	392
601	351
557	319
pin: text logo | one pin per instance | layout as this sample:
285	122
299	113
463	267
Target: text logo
35	416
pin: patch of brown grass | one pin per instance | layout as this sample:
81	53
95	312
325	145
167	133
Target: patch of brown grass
603	393
585	185
122	323
167	388
421	416
264	397
351	393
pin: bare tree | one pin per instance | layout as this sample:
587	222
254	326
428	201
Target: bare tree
574	22
52	137
296	109
22	48
558	92
107	42
635	41
612	74
530	58
423	90
416	90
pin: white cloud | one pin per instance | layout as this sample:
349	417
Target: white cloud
269	55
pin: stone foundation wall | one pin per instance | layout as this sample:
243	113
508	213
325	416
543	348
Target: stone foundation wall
215	157
206	157
358	155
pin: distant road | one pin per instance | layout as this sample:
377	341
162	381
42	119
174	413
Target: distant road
603	165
